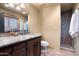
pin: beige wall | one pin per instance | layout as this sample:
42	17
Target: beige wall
34	20
46	21
51	25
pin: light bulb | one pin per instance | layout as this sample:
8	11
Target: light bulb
24	12
11	5
22	5
18	8
6	5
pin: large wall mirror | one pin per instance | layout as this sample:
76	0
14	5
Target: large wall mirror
8	23
24	25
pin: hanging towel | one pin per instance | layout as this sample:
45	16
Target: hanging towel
74	24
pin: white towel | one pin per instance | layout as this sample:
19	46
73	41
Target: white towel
74	24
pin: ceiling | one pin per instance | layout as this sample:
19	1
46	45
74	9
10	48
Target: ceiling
64	6
15	7
42	5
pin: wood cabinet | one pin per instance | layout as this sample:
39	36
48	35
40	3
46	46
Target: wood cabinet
30	50
19	49
20	52
34	47
30	47
6	51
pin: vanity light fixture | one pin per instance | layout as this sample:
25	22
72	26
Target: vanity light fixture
18	8
22	5
23	12
6	5
11	5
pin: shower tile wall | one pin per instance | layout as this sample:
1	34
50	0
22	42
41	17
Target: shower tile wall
65	22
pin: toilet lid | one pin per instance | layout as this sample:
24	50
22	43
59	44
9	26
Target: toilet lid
44	43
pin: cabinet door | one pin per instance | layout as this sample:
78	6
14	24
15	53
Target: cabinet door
6	51
30	51
20	52
37	47
18	46
34	47
19	49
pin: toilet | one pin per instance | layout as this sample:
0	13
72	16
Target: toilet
44	46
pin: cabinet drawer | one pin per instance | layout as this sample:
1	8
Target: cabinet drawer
19	46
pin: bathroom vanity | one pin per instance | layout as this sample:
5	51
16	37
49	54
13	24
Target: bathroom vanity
26	45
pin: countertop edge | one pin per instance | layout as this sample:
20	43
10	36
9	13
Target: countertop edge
11	43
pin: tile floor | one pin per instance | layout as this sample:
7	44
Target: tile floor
61	52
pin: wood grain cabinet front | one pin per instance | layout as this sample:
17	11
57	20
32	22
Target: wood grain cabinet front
6	51
20	52
30	50
37	47
19	49
30	47
34	47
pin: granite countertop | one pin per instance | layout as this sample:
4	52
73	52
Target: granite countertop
5	41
